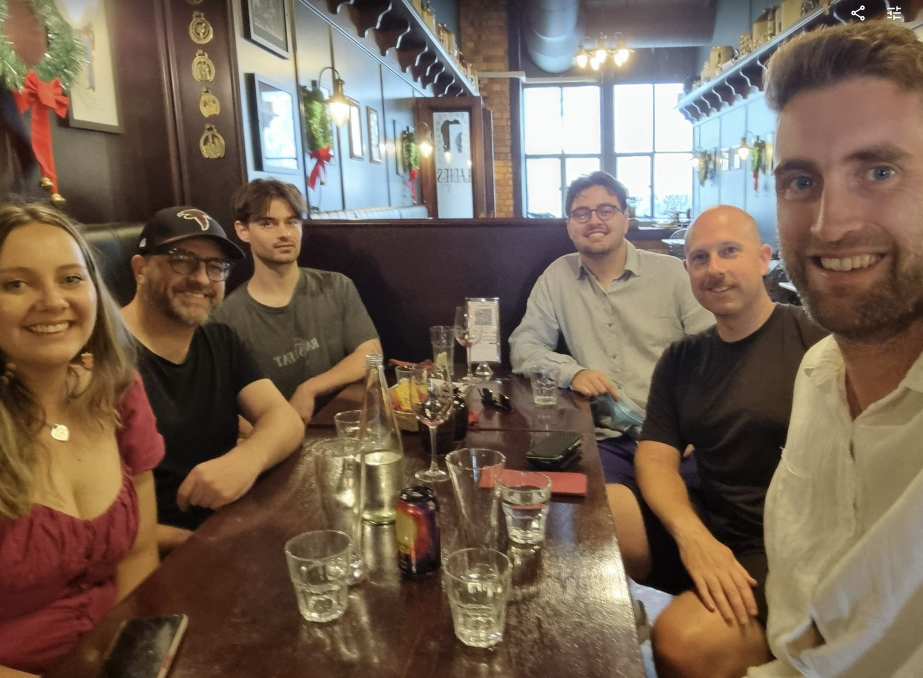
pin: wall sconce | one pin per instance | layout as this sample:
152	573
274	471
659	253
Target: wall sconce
743	151
338	102
426	141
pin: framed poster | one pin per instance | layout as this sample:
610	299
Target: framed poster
94	101
374	135
356	149
398	148
273	109
266	24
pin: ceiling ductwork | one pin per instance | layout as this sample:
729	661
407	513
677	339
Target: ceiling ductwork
555	29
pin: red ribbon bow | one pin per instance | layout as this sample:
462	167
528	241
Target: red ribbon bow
40	96
412	183
322	156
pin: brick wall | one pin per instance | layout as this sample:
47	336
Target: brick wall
485	43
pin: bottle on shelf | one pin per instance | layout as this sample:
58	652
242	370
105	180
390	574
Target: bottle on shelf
383	452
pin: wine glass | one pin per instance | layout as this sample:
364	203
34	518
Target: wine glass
467	334
431	399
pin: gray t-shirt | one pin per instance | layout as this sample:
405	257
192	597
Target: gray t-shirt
323	323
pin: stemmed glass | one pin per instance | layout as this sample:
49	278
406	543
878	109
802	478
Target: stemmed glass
467	334
431	399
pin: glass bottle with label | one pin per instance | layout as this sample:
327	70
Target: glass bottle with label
382	448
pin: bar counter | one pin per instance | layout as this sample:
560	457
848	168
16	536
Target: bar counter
570	613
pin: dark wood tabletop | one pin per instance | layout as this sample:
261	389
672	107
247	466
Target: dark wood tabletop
570	613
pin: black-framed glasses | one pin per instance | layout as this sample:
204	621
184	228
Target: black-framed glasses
185	262
604	212
499	401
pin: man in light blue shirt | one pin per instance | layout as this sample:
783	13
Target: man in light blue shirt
616	308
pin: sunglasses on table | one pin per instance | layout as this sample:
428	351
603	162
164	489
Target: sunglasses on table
604	212
500	401
185	262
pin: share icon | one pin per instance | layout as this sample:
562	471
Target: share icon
858	13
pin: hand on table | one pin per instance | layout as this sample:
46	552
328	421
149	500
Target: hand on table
721	582
217	482
593	383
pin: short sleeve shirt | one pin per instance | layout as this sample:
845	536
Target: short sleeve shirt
196	407
323	323
731	401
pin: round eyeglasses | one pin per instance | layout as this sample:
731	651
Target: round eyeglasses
604	212
185	262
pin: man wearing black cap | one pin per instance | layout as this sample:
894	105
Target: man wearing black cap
199	377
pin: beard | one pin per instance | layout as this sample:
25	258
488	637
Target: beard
168	301
870	315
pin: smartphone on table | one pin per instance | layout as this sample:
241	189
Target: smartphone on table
144	647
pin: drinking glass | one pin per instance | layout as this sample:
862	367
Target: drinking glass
442	338
544	380
347	424
477	582
475	474
318	565
467	334
431	399
525	496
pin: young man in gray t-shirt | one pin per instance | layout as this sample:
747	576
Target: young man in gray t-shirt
307	329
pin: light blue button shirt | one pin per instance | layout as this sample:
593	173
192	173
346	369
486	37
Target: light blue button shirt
620	331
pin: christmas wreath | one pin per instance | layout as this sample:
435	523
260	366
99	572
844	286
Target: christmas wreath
318	129
410	147
64	58
758	162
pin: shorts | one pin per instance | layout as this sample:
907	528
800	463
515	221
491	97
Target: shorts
617	456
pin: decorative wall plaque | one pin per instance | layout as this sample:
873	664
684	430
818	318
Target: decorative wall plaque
212	143
209	104
200	30
203	69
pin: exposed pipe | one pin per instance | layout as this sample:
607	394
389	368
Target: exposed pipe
554	30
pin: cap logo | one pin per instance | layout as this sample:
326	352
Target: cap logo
197	216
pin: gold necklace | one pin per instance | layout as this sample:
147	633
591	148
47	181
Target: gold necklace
59	432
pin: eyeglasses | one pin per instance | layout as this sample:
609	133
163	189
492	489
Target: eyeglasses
604	212
500	401
185	262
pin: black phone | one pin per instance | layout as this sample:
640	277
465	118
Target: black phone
555	452
144	647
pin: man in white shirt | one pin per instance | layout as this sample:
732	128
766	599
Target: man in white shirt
845	508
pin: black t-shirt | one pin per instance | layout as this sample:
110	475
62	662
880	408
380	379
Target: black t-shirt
731	402
195	403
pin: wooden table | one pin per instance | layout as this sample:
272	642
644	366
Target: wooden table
570	613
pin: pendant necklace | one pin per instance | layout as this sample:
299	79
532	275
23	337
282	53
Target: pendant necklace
59	432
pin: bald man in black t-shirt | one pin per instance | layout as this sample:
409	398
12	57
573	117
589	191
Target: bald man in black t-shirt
727	393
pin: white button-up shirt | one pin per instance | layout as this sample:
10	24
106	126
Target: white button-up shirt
844	529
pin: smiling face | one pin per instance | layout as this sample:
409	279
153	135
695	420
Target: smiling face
186	299
48	303
726	261
274	238
849	186
597	238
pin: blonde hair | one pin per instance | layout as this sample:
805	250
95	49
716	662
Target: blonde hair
833	54
21	415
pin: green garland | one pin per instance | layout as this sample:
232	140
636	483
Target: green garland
411	150
64	58
316	119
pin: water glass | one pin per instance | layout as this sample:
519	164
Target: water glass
442	338
347	424
545	385
341	478
475	474
524	499
477	582
318	564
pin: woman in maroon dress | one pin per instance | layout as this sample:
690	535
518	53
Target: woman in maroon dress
77	445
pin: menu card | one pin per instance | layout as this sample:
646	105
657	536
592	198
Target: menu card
485	312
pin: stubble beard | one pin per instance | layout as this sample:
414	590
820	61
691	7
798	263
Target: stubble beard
167	303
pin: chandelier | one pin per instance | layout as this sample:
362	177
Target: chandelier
595	57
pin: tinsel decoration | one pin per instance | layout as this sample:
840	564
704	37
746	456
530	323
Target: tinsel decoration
411	150
64	58
317	127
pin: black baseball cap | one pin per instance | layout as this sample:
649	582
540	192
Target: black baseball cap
174	224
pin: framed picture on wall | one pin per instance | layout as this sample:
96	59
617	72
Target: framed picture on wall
266	24
374	135
274	133
398	148
94	100
356	149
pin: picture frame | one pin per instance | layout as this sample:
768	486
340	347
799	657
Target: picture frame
356	149
374	135
398	149
274	126
94	96
266	23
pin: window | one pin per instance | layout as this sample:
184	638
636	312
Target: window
653	148
562	141
651	145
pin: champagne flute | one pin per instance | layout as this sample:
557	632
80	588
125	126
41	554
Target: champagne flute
467	334
431	399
